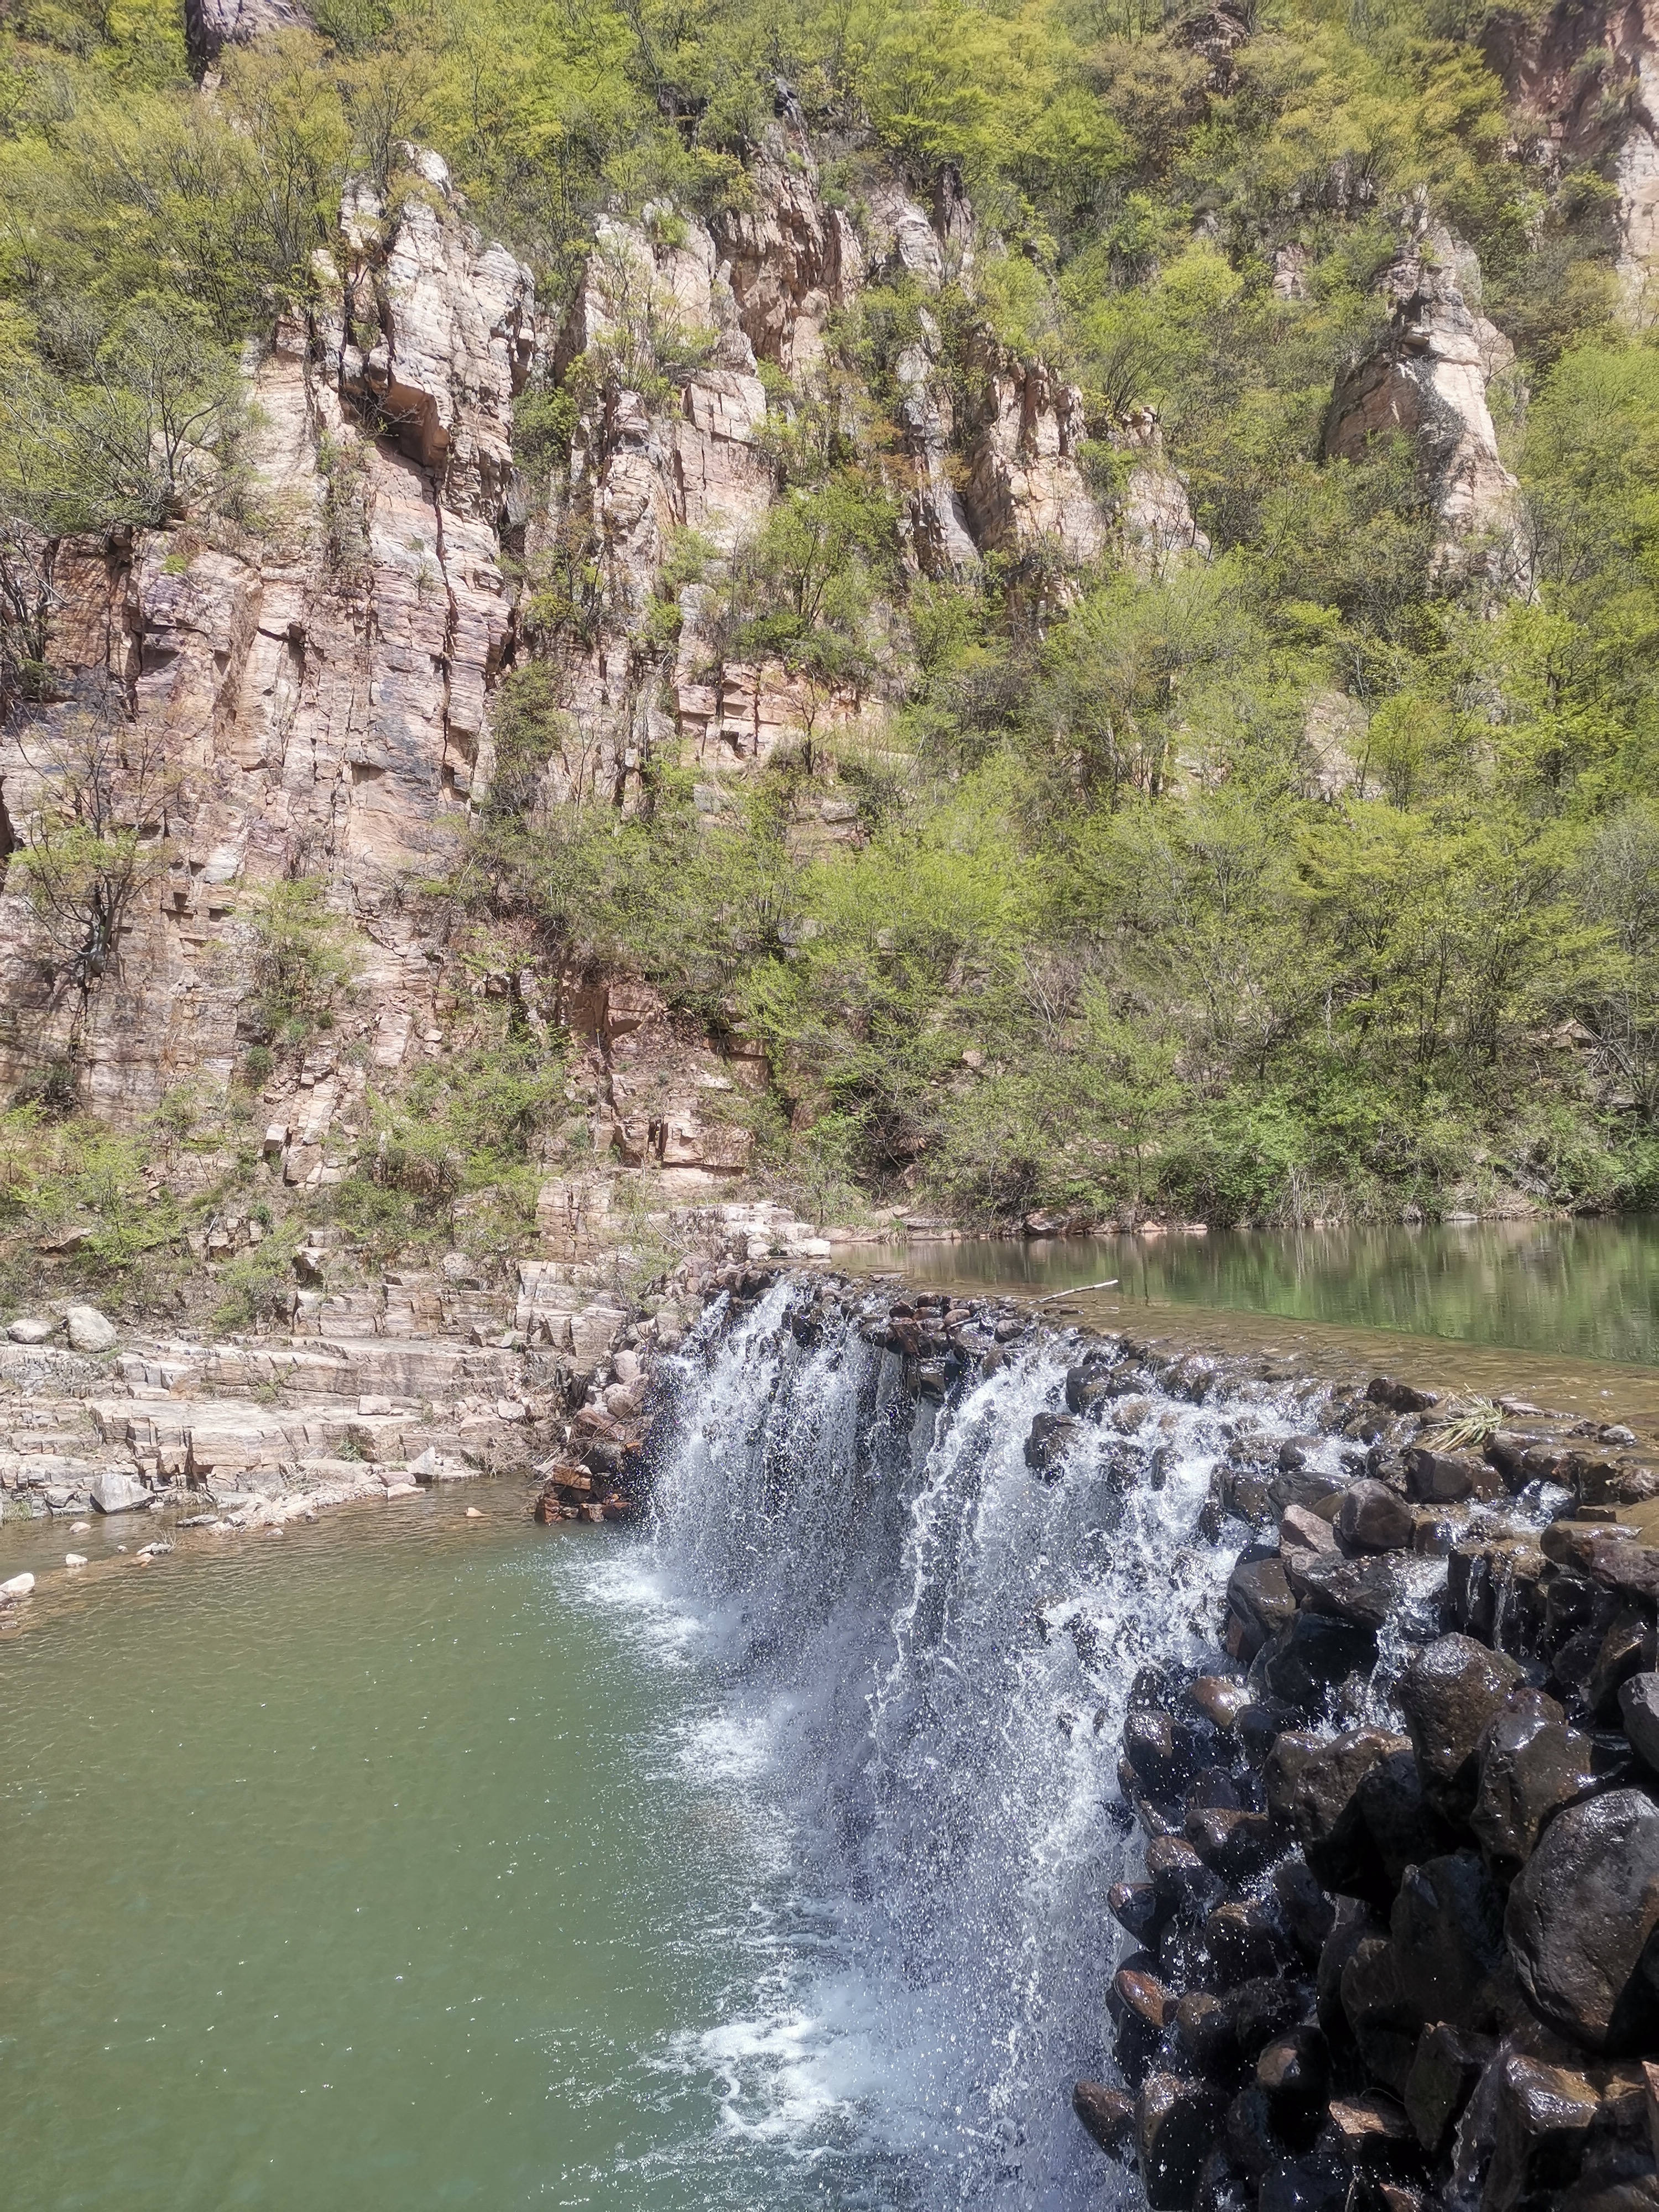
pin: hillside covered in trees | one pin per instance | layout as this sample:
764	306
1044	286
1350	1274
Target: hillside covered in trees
1263	825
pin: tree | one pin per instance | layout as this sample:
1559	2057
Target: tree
96	837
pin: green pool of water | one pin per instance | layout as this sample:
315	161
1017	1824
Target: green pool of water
368	1866
1587	1289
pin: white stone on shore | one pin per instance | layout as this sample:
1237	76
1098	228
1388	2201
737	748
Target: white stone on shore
89	1329
74	1559
29	1328
19	1586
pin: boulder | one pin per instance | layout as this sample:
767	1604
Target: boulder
1235	1842
1400	1397
1312	1783
89	1329
1580	1919
1437	1477
1312	1654
1295	2069
1260	1597
1541	2120
1177	2120
1450	1691
74	1559
1531	1764
29	1328
1638	1704
1371	2131
119	1494
1373	1518
18	1586
1446	1930
1108	2114
1364	1591
1301	1529
1445	2067
1402	1826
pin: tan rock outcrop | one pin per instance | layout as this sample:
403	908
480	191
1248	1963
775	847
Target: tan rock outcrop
1587	77
320	685
1427	381
1023	485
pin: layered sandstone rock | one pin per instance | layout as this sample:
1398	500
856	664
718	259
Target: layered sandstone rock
318	686
1589	78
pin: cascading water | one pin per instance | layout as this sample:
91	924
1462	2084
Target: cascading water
923	1656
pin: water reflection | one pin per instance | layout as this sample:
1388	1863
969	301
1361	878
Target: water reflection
1589	1289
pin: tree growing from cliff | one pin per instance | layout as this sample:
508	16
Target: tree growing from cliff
95	839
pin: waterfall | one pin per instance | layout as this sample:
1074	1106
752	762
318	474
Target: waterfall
924	1653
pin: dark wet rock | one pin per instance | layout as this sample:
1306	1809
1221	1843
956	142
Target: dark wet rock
1350	1926
1108	2114
1403	1827
1372	2130
1632	1570
1135	1905
1543	2119
1179	1876
1450	1691
1571	1543
1304	2184
1400	1397
1295	2069
1235	1842
1439	1477
1445	2067
1638	1705
1380	2011
1218	1699
1312	1654
1177	2120
1212	1789
1580	1919
1224	2034
1142	1994
1252	2141
1373	1518
1242	1943
1312	1783
1364	1591
1309	1913
1531	1765
1492	1589
1088	1385
1627	1648
1260	1600
1163	1755
1446	1930
1052	1436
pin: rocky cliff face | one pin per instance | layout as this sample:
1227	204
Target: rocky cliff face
1589	78
317	679
1427	382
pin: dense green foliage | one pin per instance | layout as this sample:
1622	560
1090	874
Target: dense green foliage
1304	880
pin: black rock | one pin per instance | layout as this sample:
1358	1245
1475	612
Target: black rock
1365	1591
1108	2114
1531	1764
1450	1691
1309	1914
1373	1518
1260	1597
1312	1783
1581	1917
1402	1826
1314	1653
1445	2067
1638	1703
1447	1929
1177	2120
1051	1437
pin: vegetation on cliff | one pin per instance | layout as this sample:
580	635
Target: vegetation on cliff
1318	875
